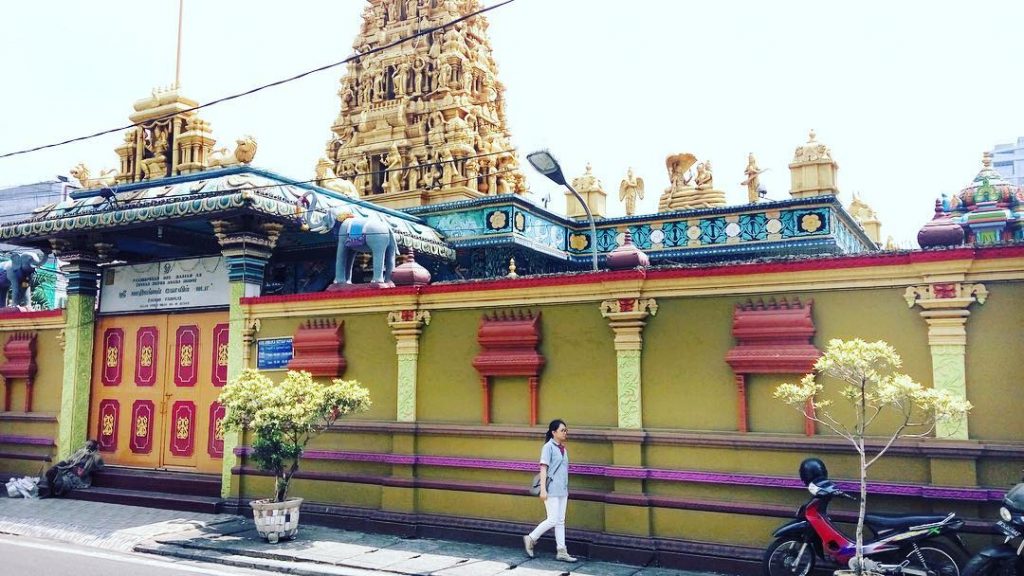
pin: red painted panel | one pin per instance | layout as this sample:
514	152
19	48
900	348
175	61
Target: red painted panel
183	428
146	340
219	377
186	361
142	426
215	446
113	356
106	432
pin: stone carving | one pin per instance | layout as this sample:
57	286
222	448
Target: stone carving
753	181
81	173
356	234
244	152
945	295
641	306
686	192
704	178
812	151
16	270
437	93
325	178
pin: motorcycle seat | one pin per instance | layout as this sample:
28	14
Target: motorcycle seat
880	522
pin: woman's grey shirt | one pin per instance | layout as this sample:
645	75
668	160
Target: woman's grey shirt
558	469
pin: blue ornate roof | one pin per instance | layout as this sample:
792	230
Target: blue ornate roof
190	201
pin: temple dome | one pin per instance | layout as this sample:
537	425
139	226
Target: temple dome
988	186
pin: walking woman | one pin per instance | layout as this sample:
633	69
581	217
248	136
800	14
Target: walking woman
554	490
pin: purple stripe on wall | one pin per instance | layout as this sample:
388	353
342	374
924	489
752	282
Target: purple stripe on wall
26	440
686	476
17	456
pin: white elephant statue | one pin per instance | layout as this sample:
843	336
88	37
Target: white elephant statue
16	270
355	234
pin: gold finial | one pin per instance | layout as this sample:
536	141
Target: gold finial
986	159
588	168
512	268
811	135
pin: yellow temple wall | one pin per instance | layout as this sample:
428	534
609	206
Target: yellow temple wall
709	488
28	439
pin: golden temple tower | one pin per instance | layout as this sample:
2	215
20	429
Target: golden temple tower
813	171
423	122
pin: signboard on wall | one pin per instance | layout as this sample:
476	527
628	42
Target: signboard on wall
167	285
273	353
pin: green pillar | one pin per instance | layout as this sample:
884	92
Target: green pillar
246	253
945	309
79	327
627	318
406	327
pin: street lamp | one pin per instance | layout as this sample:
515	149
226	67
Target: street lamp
546	164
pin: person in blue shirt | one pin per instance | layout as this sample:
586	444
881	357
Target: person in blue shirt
554	490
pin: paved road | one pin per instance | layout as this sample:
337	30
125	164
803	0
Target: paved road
24	556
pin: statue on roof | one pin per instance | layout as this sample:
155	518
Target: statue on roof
326	178
631	189
81	173
703	180
753	181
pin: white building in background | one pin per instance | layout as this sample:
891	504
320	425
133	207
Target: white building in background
1008	160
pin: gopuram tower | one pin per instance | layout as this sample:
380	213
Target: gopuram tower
423	121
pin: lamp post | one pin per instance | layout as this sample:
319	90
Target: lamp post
546	164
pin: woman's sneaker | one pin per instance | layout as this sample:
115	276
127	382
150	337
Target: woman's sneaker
528	545
563	555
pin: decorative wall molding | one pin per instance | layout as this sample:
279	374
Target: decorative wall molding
772	337
318	346
945	295
20	352
508	347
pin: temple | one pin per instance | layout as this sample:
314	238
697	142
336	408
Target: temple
412	260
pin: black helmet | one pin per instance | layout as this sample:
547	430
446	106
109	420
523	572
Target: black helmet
812	470
1014	499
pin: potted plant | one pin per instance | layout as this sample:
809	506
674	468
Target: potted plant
872	385
282	419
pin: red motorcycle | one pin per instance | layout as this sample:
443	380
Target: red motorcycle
898	544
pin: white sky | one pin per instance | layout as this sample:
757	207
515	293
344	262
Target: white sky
908	93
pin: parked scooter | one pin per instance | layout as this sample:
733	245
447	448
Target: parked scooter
1006	559
898	544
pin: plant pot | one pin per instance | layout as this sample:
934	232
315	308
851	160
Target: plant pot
276	520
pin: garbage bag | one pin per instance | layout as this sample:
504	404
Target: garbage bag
27	487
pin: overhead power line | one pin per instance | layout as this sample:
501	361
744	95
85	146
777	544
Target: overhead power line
352	58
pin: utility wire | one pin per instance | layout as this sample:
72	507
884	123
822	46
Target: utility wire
354	57
313	181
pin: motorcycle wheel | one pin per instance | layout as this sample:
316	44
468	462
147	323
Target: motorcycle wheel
986	566
936	557
780	559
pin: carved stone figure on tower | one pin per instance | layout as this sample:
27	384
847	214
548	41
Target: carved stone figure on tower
449	172
394	168
631	189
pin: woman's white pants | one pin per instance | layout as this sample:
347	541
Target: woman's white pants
555	506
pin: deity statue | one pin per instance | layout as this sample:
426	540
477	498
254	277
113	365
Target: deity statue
703	179
449	172
753	180
631	189
472	170
393	162
444	75
419	69
679	173
401	78
362	175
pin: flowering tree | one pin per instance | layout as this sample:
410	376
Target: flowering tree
284	417
872	385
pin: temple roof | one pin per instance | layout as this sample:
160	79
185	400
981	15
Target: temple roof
171	217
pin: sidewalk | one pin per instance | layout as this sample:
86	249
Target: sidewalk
231	540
